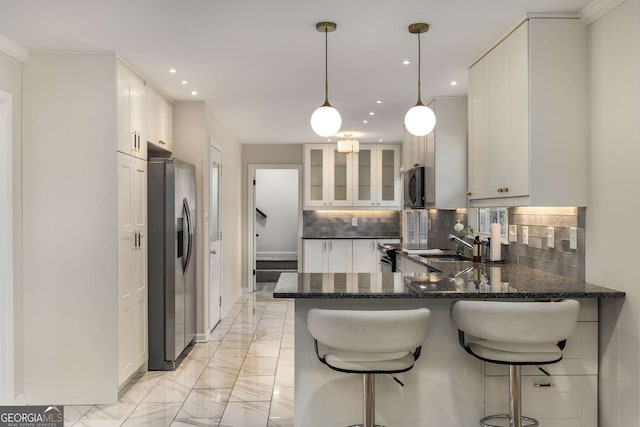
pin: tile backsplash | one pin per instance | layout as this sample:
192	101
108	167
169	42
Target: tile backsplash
338	223
442	222
560	259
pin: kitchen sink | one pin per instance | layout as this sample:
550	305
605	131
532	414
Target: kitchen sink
451	264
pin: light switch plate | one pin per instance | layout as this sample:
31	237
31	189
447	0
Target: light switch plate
551	237
354	221
573	238
513	233
525	235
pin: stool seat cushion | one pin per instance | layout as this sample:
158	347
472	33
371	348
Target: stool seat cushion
369	363
515	353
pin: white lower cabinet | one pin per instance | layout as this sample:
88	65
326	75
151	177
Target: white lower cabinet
342	255
563	400
569	396
327	256
132	265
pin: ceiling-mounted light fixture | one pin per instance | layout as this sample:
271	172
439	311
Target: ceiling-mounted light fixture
420	119
326	120
348	145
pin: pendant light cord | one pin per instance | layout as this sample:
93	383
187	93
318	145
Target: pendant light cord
326	68
419	82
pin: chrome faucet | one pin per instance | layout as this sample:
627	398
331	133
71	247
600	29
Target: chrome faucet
461	241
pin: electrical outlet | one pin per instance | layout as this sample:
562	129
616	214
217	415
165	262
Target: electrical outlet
551	237
525	235
513	233
354	222
573	238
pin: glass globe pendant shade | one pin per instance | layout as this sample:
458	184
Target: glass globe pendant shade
419	120
326	121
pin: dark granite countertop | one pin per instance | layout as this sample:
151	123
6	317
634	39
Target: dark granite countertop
351	237
456	280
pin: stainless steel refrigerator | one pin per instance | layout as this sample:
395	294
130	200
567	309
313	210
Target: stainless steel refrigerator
172	276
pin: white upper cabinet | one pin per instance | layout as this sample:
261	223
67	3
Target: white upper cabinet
159	119
446	155
132	119
368	179
376	176
328	176
527	117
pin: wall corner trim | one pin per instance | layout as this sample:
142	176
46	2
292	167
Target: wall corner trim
13	49
597	8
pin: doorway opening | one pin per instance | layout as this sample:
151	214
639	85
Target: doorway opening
7	392
213	247
274	222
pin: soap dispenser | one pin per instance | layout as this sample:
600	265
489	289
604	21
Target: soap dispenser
477	250
459	248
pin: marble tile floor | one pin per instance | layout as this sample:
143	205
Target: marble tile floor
241	377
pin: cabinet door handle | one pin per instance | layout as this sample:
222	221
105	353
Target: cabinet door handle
330	246
324	246
544	385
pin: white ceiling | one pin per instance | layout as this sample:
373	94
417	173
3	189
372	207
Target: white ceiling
260	63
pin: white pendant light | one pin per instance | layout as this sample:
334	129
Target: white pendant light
326	120
420	119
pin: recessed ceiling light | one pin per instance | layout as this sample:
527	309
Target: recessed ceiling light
380	140
454	83
406	62
371	113
329	140
379	101
193	92
365	121
184	82
173	70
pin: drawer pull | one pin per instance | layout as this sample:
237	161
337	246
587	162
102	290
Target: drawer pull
546	385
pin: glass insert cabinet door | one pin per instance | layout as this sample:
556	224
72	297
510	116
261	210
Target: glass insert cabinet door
377	176
365	177
341	178
388	176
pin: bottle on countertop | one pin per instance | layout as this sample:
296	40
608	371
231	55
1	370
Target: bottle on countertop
477	250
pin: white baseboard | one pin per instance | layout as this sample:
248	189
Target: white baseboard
201	337
276	256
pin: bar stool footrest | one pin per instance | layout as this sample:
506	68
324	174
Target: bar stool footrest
526	421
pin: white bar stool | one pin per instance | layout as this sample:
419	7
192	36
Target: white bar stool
514	334
368	343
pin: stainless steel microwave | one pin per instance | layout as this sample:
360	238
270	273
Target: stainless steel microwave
414	187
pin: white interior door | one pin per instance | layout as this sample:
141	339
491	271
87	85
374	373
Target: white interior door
215	236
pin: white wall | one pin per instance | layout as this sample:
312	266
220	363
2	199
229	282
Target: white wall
11	230
193	125
70	229
614	205
277	197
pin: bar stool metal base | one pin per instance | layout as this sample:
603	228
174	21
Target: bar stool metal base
525	421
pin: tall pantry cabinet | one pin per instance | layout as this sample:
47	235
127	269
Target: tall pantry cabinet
84	257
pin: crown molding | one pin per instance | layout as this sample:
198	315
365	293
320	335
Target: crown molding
594	10
13	49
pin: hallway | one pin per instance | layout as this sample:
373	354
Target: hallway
241	377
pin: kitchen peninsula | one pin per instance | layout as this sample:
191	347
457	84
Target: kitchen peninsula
446	385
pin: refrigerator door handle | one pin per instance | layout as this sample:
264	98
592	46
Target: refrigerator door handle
189	231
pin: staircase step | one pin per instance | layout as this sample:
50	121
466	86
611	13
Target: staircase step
277	265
